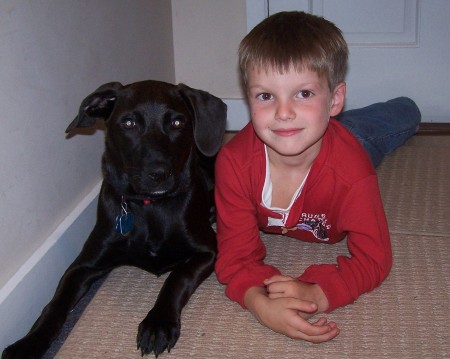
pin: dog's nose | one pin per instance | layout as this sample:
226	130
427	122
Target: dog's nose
159	174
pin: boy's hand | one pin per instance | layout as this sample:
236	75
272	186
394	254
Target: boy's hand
283	315
282	286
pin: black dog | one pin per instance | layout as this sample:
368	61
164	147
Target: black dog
154	207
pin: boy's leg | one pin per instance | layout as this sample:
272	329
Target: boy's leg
382	127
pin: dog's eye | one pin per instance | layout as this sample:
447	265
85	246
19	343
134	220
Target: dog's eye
177	123
128	124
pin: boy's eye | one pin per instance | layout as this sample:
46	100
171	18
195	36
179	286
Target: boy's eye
305	94
265	96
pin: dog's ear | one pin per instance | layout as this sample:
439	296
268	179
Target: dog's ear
98	104
210	115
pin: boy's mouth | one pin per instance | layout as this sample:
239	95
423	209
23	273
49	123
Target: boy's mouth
287	132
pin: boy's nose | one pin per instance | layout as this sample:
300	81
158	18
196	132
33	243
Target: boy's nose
285	111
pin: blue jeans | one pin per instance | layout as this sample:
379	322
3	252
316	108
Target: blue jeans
384	126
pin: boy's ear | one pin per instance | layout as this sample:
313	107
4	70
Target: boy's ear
338	99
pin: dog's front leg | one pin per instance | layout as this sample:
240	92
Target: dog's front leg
75	282
160	329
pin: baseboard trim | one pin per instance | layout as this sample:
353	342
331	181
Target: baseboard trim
31	287
433	128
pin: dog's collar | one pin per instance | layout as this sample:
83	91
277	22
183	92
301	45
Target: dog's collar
137	199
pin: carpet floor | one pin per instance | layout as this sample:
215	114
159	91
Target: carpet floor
407	317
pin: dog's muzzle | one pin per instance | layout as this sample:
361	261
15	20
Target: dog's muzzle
155	182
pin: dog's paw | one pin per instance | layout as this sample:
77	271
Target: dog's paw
157	333
20	351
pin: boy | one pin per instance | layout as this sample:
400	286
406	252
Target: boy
295	170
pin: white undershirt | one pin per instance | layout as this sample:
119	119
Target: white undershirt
267	197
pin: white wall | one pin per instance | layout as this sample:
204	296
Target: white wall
52	54
206	35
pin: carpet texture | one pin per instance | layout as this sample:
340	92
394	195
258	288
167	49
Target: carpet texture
407	317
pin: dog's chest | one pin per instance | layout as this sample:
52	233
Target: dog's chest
157	233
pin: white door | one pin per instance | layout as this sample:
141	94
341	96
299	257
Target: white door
397	48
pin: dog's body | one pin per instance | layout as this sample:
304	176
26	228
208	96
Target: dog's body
154	206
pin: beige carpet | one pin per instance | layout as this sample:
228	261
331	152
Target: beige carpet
407	317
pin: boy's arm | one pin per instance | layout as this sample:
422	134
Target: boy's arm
363	218
241	251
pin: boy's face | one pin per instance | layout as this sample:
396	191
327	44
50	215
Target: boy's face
290	111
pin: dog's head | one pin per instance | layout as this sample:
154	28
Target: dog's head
154	130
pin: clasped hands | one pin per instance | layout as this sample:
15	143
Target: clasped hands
285	304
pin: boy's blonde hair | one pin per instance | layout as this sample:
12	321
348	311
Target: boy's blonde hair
296	39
